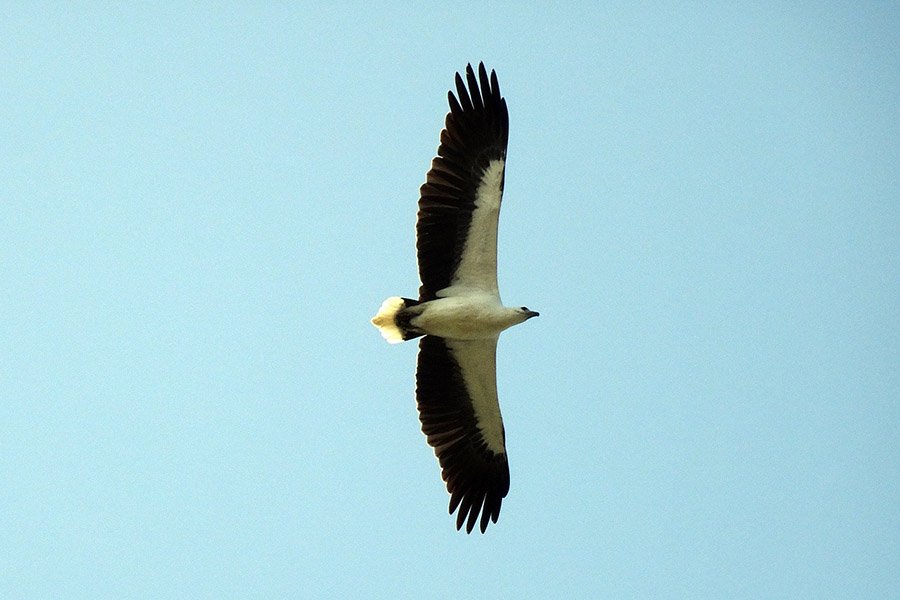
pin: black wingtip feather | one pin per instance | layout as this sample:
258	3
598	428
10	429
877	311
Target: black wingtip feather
474	92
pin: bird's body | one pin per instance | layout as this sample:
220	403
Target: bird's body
470	317
459	311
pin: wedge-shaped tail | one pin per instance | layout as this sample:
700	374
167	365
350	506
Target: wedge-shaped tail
392	320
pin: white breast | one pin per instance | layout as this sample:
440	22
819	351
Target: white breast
467	317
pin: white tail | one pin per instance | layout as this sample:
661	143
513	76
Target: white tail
386	322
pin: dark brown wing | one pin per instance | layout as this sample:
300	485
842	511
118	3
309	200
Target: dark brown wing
475	134
457	400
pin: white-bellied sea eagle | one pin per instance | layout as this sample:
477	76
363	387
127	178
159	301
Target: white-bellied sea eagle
459	312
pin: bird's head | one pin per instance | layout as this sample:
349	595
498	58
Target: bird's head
527	314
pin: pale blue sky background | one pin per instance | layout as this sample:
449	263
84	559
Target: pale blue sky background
202	207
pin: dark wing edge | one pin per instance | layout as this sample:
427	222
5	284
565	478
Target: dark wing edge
476	477
476	131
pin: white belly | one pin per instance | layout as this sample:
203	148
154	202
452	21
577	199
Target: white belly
465	318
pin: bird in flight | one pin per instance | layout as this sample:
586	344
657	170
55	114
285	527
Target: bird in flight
458	313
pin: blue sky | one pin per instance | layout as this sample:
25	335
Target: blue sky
202	207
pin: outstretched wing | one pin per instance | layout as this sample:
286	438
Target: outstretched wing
459	203
456	393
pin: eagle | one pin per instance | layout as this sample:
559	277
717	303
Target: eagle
458	314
